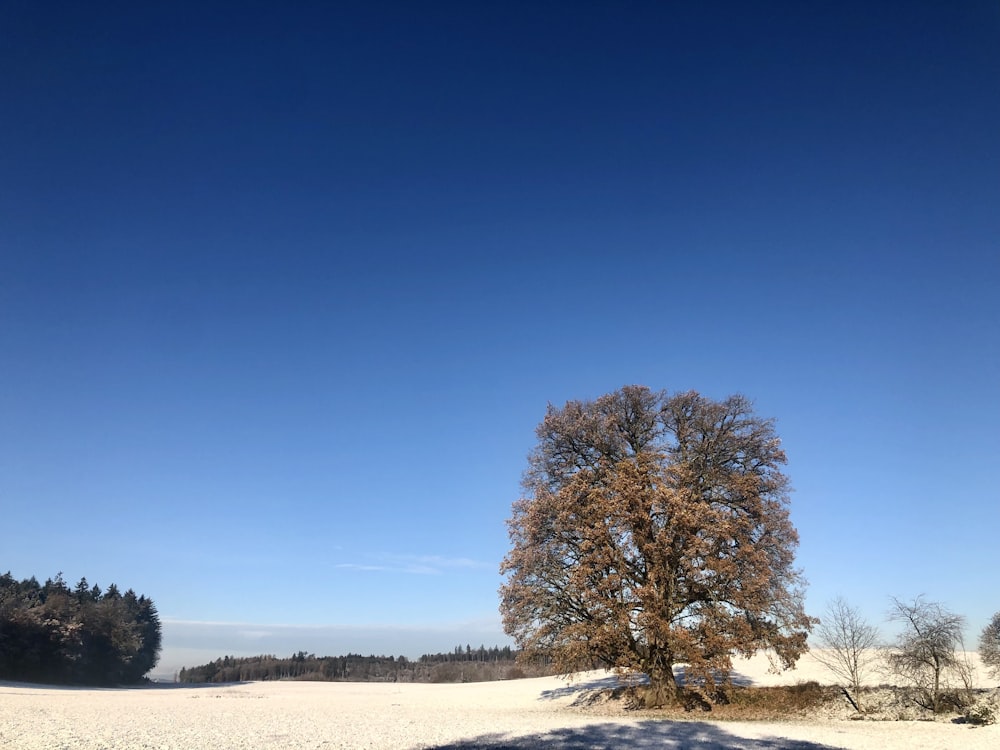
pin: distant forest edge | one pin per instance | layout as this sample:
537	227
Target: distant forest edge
81	636
464	664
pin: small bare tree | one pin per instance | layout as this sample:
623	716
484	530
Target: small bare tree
989	646
848	647
927	651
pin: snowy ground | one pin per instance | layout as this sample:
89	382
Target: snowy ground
518	715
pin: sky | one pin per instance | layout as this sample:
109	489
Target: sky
285	291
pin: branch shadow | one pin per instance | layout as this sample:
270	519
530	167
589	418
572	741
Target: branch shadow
643	735
613	682
572	688
737	678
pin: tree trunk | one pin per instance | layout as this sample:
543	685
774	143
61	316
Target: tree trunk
662	687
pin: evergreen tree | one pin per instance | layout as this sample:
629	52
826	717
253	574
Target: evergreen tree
52	633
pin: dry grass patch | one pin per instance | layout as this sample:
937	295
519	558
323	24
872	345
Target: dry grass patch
780	702
802	701
737	703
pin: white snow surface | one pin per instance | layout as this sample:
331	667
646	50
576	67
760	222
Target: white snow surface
516	715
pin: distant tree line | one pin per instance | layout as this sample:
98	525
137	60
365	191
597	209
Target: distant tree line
85	636
464	664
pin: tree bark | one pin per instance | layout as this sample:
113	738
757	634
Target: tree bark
663	688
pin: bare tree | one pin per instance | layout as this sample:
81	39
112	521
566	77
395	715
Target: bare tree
849	646
926	653
654	530
989	646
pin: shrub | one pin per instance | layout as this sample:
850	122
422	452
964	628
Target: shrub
983	711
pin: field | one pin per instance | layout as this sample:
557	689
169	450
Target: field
519	714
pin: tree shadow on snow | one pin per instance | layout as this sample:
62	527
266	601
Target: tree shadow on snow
611	682
643	735
574	687
737	678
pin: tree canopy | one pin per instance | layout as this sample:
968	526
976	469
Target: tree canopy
51	633
654	530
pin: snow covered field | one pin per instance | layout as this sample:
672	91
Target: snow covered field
521	714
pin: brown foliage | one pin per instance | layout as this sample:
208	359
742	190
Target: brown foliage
735	703
654	530
778	701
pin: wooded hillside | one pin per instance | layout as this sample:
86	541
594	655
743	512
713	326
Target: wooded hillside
464	664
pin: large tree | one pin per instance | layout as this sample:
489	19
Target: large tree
653	531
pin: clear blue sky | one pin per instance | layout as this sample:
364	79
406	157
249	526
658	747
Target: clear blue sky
284	291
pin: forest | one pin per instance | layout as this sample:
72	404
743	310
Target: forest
81	636
464	664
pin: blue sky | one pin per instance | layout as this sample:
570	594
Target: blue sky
284	292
